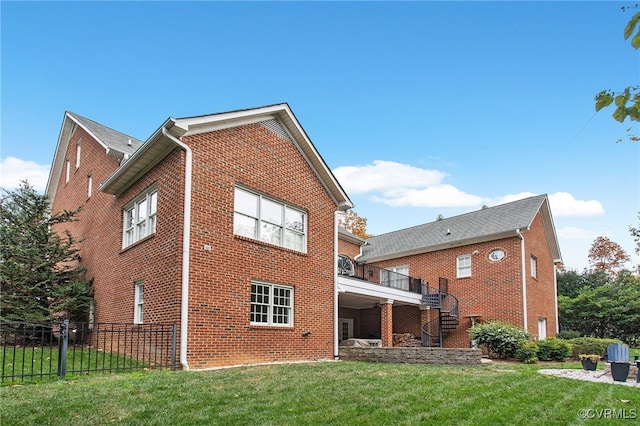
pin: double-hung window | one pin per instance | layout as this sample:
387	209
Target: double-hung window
261	218
534	266
139	303
464	266
271	304
140	217
396	277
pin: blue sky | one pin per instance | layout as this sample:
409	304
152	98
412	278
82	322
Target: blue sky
453	104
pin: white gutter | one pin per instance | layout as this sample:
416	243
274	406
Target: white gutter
336	352
524	279
186	240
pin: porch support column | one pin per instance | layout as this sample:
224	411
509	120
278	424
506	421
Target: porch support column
386	323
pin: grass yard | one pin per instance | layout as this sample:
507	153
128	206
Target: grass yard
320	393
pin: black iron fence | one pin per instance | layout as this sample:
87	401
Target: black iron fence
31	351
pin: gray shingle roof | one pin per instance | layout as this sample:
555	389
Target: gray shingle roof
481	225
109	137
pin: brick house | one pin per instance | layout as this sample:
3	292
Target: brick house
497	263
224	224
227	225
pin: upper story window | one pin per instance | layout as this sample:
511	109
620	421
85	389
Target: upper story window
534	266
261	218
464	266
140	217
67	174
78	151
396	277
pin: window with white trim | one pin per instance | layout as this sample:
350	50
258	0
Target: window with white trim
271	304
140	217
89	186
139	303
261	218
78	151
395	277
68	172
534	266
464	266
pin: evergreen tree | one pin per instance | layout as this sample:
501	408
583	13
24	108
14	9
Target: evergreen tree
40	279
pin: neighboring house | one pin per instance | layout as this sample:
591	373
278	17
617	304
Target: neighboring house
497	263
227	225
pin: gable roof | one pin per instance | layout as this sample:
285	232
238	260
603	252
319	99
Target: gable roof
278	118
492	223
115	143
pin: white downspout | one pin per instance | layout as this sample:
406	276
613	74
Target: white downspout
524	279
186	240
555	295
336	350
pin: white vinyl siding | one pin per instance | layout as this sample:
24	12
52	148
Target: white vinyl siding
261	218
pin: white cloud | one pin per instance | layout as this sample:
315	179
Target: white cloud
401	185
563	204
573	233
385	175
433	196
13	170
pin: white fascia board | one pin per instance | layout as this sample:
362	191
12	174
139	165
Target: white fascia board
365	288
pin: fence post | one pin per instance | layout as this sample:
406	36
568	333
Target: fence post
173	346
63	343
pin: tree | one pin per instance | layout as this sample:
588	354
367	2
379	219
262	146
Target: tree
355	224
40	279
571	282
606	255
611	310
635	233
627	101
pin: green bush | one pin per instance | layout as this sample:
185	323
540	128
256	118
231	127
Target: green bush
590	345
527	353
568	335
500	339
552	349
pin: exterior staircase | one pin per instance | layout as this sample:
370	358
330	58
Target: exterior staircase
448	319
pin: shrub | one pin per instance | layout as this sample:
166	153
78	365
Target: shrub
590	345
568	335
500	339
552	349
527	353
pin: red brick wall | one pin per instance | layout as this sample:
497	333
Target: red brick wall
348	249
494	289
540	290
220	280
99	228
406	319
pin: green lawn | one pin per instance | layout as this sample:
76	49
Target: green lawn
337	393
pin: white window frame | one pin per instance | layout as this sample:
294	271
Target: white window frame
463	266
78	151
272	309
138	314
533	264
68	172
89	186
140	217
394	281
260	223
